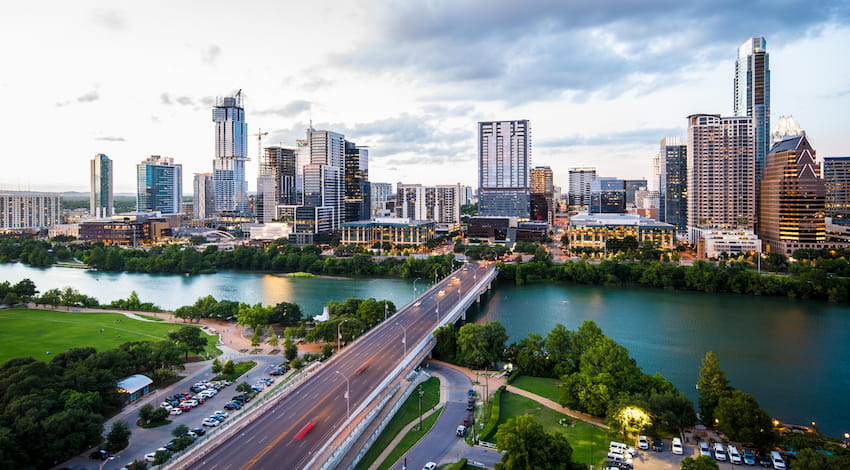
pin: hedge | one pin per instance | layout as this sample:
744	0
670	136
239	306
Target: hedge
493	419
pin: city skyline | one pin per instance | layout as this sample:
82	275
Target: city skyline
602	83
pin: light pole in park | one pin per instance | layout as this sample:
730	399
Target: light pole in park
339	335
421	392
347	394
414	286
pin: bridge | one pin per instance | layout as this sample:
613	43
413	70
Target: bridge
315	424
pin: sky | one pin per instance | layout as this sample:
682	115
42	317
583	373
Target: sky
601	81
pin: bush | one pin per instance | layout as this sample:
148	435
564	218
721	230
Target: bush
118	436
513	376
493	419
459	465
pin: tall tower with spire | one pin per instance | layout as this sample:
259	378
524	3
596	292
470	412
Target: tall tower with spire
231	153
752	94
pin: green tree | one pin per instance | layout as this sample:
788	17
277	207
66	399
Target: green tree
189	339
118	436
712	384
273	339
327	350
741	418
216	366
243	387
228	368
285	312
558	345
527	446
290	350
531	356
138	465
472	345
446	346
180	430
253	315
699	463
159	415
256	338
809	459
146	413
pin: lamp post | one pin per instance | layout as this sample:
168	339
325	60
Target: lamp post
111	457
347	394
421	393
386	307
403	340
339	335
414	286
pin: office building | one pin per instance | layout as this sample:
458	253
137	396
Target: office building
647	203
542	194
504	156
752	94
607	195
836	176
380	193
131	229
721	174
632	187
21	210
231	153
394	231
786	127
203	201
101	203
440	204
591	232
578	194
159	185
357	196
791	206
275	182
673	182
324	177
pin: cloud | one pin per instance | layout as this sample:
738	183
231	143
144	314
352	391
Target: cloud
165	98
89	97
111	139
635	136
109	19
211	54
60	104
293	108
539	49
315	83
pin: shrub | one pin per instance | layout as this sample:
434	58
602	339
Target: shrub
493	419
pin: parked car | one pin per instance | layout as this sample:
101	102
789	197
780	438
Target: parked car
221	413
217	418
199	431
763	460
719	452
232	406
99	454
749	457
777	460
470	407
210	422
657	444
460	431
676	447
175	412
734	455
643	443
429	466
704	450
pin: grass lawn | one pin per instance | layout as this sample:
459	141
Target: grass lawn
545	387
588	441
408	412
25	332
409	440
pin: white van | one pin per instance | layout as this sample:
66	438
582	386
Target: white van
617	447
776	459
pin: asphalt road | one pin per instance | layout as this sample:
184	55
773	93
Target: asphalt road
297	427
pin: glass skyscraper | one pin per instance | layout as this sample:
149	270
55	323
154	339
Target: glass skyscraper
101	202
673	182
160	185
752	94
231	153
504	158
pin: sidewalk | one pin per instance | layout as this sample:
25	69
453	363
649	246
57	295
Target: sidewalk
598	422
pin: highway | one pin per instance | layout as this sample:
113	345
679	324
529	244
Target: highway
293	430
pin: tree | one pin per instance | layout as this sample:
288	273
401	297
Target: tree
188	339
118	436
256	338
159	415
712	384
253	315
228	368
285	312
472	345
327	350
527	446
740	417
699	463
273	339
290	350
180	430
809	459
631	420
531	356
243	387
146	413
446	346
558	345
216	366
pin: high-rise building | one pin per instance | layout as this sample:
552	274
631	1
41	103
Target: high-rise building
101	203
721	174
542	194
29	210
785	127
159	185
752	94
440	204
836	176
578	194
203	202
673	182
791	208
357	189
632	187
324	177
504	157
607	195
231	153
381	193
275	182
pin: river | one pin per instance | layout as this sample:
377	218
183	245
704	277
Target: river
791	355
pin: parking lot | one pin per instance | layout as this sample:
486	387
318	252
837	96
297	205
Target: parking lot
666	460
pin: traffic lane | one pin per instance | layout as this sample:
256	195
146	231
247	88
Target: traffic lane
442	437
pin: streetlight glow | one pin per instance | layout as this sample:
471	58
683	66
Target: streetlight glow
347	394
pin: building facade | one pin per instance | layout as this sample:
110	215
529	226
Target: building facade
203	201
440	204
721	174
673	182
632	187
29	210
786	127
578	194
504	157
792	194
542	194
593	231
836	176
395	231
380	193
159	185
607	195
231	153
358	201
752	94
101	200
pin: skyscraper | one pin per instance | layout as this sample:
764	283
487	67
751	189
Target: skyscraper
578	194
504	156
324	182
542	194
607	195
231	153
160	185
785	127
357	188
380	193
752	94
721	174
791	208
101	203
203	202
836	175
275	182
673	182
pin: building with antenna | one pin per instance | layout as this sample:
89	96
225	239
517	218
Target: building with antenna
101	201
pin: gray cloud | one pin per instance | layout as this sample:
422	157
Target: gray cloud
111	139
211	54
165	98
533	50
89	97
60	104
293	108
207	101
315	83
109	19
635	136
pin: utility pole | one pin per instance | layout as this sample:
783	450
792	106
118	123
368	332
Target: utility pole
421	392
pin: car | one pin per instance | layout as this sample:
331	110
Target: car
280	371
719	452
183	407
470	406
429	466
417	304
191	403
210	422
192	434
657	444
99	454
776	460
763	460
221	413
676	447
199	431
460	431
465	421
232	406
704	450
216	417
442	292
152	456
749	457
175	412
643	443
734	455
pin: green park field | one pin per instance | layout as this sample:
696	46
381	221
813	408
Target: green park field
25	332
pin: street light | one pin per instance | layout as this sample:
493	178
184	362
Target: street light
111	457
404	340
414	286
386	307
421	392
339	335
347	394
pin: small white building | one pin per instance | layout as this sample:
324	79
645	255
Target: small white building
711	243
134	387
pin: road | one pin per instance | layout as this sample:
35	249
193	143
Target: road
292	431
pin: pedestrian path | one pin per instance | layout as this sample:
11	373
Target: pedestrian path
598	422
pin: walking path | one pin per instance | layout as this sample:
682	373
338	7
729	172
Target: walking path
598	422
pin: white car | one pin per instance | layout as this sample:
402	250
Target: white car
429	466
677	446
643	443
719	452
734	455
221	413
152	456
210	422
175	412
190	403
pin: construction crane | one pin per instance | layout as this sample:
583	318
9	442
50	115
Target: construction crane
259	135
